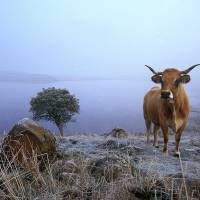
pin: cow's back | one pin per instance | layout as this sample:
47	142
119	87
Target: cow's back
151	105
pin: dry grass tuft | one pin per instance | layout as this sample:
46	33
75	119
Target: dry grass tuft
113	177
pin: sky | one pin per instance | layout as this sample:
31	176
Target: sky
98	38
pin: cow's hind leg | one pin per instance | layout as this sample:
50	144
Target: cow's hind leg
155	132
148	130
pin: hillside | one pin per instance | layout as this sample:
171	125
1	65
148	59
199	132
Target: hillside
25	77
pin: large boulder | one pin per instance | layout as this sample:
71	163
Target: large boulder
27	142
118	133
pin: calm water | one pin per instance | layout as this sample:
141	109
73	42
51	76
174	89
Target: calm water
104	104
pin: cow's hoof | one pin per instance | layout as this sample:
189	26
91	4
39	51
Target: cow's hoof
177	154
156	146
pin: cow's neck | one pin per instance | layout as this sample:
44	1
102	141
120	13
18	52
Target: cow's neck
178	108
181	103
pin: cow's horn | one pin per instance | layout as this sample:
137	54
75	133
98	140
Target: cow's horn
157	73
189	69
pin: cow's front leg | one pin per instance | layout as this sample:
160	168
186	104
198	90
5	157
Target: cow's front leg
166	138
178	138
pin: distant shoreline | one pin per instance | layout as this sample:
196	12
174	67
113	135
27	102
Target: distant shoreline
63	80
29	81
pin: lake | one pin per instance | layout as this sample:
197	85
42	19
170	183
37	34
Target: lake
104	105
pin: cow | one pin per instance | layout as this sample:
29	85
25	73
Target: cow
168	106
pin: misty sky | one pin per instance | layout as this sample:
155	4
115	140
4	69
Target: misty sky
98	37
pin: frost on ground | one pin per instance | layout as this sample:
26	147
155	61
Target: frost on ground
175	176
113	166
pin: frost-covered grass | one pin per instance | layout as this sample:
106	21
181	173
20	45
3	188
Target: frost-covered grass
100	174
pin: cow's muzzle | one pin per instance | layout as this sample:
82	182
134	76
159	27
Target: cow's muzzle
166	94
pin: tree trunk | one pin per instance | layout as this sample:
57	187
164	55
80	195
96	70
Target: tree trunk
61	129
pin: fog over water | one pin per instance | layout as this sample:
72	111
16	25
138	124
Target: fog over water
103	104
98	49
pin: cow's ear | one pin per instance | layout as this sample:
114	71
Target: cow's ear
185	78
156	78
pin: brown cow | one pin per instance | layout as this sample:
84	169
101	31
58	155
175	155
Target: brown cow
168	106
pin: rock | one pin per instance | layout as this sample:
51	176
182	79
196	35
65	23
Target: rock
118	133
28	140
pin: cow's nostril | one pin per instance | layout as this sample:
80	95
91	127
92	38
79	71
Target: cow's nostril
165	94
